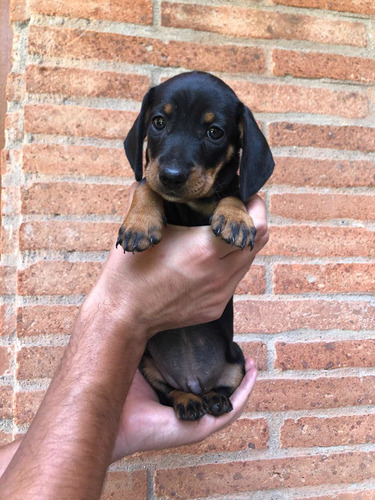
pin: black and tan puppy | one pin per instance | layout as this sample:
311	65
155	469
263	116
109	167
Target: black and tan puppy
198	135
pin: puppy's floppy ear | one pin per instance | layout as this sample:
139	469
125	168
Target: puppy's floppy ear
257	162
133	143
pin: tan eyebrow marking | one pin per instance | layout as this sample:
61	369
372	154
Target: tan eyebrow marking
209	117
168	109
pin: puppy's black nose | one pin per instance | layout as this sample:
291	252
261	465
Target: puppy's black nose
172	177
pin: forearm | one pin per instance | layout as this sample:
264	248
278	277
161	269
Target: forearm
69	445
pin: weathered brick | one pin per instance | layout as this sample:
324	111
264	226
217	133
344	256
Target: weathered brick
320	65
122	484
77	121
6	401
5	361
322	136
26	406
313	206
256	350
15	89
320	241
8	323
82	237
249	23
75	198
46	320
281	98
86	83
58	278
322	173
7	280
358	494
325	355
13	126
356	6
275	316
253	282
334	431
54	159
140	50
38	362
138	11
329	278
306	394
10	200
19	10
8	239
238	477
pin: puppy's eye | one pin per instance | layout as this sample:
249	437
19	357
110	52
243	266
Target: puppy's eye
159	122
215	133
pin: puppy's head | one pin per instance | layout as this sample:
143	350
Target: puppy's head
195	128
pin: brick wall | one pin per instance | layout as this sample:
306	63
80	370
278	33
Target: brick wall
306	311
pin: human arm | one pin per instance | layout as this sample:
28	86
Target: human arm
188	278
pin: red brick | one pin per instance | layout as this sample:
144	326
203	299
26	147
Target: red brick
320	65
77	121
248	23
271	98
257	475
5	360
45	320
58	278
122	484
15	89
256	350
74	198
13	126
322	206
6	401
330	278
86	83
19	10
356	6
140	50
253	282
320	241
53	159
276	316
7	280
138	11
334	431
322	173
80	237
27	404
38	362
325	355
306	394
322	136
8	323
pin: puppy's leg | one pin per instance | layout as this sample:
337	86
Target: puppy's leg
143	225
232	222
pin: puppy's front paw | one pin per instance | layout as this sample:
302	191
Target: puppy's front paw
236	229
137	233
190	407
217	404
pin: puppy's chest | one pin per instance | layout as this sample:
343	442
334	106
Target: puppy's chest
194	213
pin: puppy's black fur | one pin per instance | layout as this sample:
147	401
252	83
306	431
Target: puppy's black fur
198	135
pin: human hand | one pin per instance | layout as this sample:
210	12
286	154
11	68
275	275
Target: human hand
186	279
147	425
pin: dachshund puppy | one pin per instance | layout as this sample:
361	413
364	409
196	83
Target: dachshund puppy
198	136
